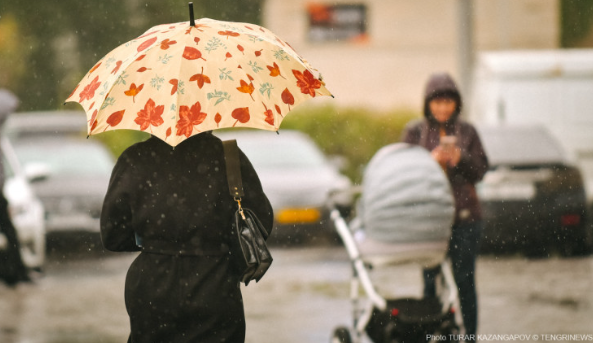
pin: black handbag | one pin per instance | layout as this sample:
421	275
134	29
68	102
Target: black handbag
252	256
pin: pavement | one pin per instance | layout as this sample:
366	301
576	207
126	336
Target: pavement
302	298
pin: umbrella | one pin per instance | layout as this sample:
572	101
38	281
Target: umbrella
177	80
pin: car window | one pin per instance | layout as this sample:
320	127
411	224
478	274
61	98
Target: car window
521	146
289	153
67	158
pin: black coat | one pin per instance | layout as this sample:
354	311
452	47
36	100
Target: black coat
177	199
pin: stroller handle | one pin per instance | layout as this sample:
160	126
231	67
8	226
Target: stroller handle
357	262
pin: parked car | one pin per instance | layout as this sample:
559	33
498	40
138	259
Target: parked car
25	208
297	178
79	168
533	197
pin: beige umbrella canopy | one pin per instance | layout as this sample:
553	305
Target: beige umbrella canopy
177	80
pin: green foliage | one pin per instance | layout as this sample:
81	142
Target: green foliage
576	23
59	41
119	140
355	134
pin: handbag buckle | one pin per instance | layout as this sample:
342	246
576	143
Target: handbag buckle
238	200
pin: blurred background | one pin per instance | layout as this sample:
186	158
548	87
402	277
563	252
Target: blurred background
519	63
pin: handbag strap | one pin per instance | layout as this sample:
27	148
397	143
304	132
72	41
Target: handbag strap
233	168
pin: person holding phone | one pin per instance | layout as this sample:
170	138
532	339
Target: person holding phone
456	146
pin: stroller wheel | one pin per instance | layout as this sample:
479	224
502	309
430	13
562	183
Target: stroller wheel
341	335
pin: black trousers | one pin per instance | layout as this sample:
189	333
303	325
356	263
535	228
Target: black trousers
463	251
12	269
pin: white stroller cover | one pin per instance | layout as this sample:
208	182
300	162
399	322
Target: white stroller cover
406	203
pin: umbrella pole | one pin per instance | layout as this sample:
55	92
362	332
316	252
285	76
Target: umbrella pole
192	22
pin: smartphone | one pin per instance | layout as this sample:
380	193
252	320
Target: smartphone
448	142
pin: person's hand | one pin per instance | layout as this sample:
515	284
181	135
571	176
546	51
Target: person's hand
440	155
446	156
454	156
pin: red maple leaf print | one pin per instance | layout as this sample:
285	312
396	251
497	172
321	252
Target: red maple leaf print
89	91
175	83
167	43
168	133
278	110
95	67
217	119
241	114
133	91
146	44
190	53
228	34
115	118
307	82
269	115
246	88
240	48
275	70
150	115
142	69
93	120
198	27
117	65
287	97
188	118
200	78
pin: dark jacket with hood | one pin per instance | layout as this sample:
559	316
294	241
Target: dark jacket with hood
473	164
182	288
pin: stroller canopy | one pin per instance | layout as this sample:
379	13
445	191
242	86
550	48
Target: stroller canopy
406	197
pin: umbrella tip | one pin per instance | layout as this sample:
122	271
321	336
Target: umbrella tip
192	22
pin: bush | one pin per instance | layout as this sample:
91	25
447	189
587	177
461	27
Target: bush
354	134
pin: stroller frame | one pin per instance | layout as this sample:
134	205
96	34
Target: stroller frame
362	313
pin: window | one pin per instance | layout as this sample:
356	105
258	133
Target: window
342	22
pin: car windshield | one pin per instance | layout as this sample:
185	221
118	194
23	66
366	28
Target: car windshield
67	158
270	151
290	153
520	146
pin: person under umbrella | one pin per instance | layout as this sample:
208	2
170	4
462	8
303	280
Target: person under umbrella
12	268
183	286
169	194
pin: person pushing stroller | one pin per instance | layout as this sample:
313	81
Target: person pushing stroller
456	146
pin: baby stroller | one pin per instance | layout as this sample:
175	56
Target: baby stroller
403	216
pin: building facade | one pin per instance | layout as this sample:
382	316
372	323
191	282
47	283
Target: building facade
379	53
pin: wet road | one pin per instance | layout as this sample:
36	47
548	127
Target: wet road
301	299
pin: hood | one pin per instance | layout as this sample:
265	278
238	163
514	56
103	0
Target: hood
441	84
